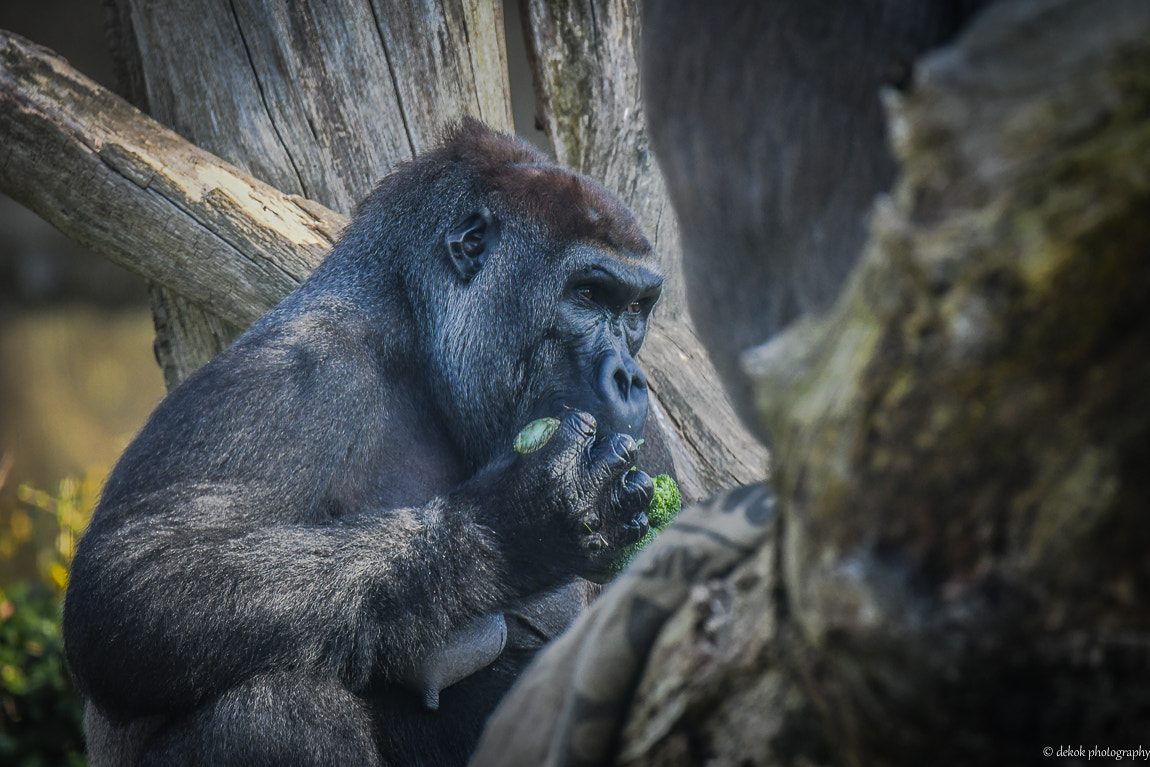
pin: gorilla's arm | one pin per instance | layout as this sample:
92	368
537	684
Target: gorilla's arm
207	562
356	597
348	598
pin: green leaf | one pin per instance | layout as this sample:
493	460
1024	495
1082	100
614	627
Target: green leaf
535	435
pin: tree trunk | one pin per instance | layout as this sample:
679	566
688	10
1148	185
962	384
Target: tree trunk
962	444
971	425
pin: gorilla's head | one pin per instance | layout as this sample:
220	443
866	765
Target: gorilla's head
529	287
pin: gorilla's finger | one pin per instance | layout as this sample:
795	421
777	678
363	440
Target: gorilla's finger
633	530
579	426
625	518
612	456
566	449
635	491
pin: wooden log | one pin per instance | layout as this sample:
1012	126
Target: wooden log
135	192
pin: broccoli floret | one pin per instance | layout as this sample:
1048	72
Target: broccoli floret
666	503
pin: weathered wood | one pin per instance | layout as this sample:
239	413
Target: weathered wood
135	192
584	58
961	575
177	318
318	99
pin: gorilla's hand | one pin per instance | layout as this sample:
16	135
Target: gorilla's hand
571	505
606	495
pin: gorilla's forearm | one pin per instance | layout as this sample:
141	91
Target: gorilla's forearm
195	605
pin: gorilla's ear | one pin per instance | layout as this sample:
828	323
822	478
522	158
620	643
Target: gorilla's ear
470	241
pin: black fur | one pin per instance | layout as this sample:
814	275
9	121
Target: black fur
329	499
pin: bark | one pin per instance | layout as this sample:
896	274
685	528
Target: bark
135	192
959	574
584	56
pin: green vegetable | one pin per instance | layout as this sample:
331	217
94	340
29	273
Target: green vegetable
535	435
666	503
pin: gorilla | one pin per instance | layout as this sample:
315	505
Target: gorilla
322	529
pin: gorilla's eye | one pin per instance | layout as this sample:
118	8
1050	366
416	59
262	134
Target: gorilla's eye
586	292
635	308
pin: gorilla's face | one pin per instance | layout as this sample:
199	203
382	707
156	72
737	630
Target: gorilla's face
602	317
543	328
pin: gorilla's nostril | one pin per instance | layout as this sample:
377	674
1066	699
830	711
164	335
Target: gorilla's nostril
623	382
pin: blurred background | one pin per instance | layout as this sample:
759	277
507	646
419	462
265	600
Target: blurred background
77	380
77	376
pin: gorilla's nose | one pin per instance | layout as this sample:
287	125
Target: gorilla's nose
623	387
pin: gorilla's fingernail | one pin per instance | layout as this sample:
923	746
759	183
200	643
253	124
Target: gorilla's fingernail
623	445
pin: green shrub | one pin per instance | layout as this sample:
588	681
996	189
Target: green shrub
41	721
40	713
